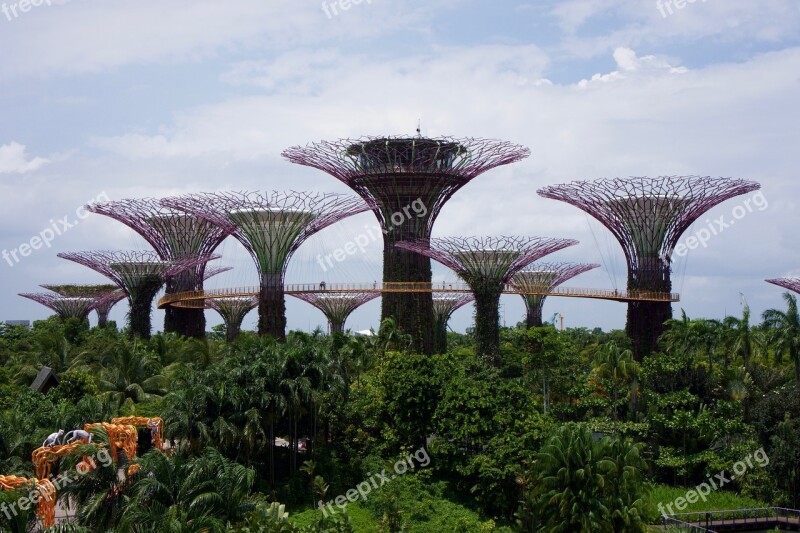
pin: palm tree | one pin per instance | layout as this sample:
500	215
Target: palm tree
579	484
616	366
744	340
130	371
185	416
785	334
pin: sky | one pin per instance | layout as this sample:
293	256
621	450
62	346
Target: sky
116	99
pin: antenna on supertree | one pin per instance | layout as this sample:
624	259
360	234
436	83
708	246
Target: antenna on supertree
407	181
444	305
174	235
647	216
337	306
64	306
233	310
140	274
271	226
105	297
486	264
790	283
541	278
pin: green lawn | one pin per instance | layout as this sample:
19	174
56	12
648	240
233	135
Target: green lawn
716	501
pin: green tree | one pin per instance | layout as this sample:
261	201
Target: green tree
785	334
618	368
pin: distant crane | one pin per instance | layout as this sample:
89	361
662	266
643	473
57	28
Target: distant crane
552	320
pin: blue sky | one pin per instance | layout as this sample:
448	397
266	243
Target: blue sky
128	98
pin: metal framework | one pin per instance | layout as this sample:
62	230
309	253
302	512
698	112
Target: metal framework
140	273
407	181
271	226
337	306
105	297
791	283
233	310
543	278
64	306
648	215
444	305
486	264
174	235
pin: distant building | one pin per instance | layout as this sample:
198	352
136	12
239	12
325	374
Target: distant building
24	323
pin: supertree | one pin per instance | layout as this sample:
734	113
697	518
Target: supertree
444	305
64	306
140	273
486	264
539	279
233	309
105	297
271	226
337	306
792	283
407	181
174	235
648	216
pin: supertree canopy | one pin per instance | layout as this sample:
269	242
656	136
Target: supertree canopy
407	181
233	310
105	297
444	305
337	306
140	274
64	306
648	216
486	264
792	283
271	226
174	235
540	279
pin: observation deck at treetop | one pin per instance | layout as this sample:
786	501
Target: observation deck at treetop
197	299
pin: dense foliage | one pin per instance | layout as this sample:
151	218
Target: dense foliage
566	433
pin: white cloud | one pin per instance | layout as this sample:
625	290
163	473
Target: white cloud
14	161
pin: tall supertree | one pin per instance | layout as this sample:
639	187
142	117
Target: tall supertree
140	273
233	309
174	235
539	279
486	264
791	283
444	305
648	215
271	226
337	306
105	297
407	181
64	306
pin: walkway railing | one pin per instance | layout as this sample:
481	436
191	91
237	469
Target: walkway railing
728	520
183	299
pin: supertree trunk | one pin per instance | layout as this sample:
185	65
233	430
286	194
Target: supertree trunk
645	322
102	318
233	329
533	317
337	326
487	325
413	312
184	321
141	303
440	339
272	307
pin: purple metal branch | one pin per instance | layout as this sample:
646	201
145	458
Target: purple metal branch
445	304
337	306
270	244
547	276
648	215
487	258
791	283
64	306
